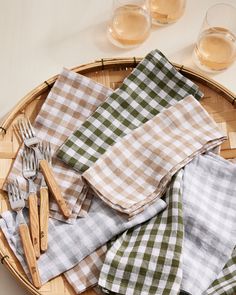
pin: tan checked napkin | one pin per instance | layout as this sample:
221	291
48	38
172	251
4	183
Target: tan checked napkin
137	169
71	100
85	275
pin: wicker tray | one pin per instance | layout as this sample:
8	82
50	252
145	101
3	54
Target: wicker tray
218	101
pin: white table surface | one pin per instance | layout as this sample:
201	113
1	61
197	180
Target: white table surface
38	38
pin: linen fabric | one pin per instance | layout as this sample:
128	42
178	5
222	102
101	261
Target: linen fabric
137	169
209	202
225	284
85	275
71	100
193	246
152	86
147	259
68	244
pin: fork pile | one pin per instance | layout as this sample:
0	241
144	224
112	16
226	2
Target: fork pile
36	156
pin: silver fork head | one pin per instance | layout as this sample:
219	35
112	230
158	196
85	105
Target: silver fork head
27	132
29	164
45	149
15	195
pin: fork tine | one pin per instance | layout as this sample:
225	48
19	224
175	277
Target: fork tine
24	128
46	150
19	194
10	191
31	129
20	129
24	160
15	195
49	153
33	161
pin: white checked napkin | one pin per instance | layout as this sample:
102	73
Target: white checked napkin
209	202
69	244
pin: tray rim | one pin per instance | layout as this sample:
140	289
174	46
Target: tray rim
97	65
105	64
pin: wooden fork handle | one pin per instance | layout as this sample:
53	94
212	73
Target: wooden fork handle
54	188
30	255
34	223
44	215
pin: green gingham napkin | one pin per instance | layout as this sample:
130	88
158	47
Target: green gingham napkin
203	260
152	86
153	266
225	284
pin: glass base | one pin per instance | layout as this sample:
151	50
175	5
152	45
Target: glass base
203	67
119	44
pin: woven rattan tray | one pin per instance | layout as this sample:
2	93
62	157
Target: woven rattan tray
218	101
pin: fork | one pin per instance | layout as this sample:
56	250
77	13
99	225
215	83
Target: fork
30	140
45	149
29	171
17	203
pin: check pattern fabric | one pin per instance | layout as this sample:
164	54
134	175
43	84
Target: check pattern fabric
147	259
72	99
69	244
225	284
209	202
151	87
137	169
85	275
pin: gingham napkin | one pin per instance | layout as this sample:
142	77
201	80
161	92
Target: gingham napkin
152	86
147	259
85	275
159	258
209	202
71	100
225	284
69	244
137	169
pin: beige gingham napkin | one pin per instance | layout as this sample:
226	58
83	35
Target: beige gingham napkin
86	273
72	99
136	170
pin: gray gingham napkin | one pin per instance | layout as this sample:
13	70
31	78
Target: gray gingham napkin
209	202
137	169
189	245
68	244
71	100
153	86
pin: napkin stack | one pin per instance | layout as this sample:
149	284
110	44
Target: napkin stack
152	86
125	161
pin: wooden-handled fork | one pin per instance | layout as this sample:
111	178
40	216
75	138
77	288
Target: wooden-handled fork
17	203
29	171
45	149
30	140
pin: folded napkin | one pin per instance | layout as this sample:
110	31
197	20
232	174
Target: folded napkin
68	244
147	259
151	87
158	258
137	169
209	202
71	100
